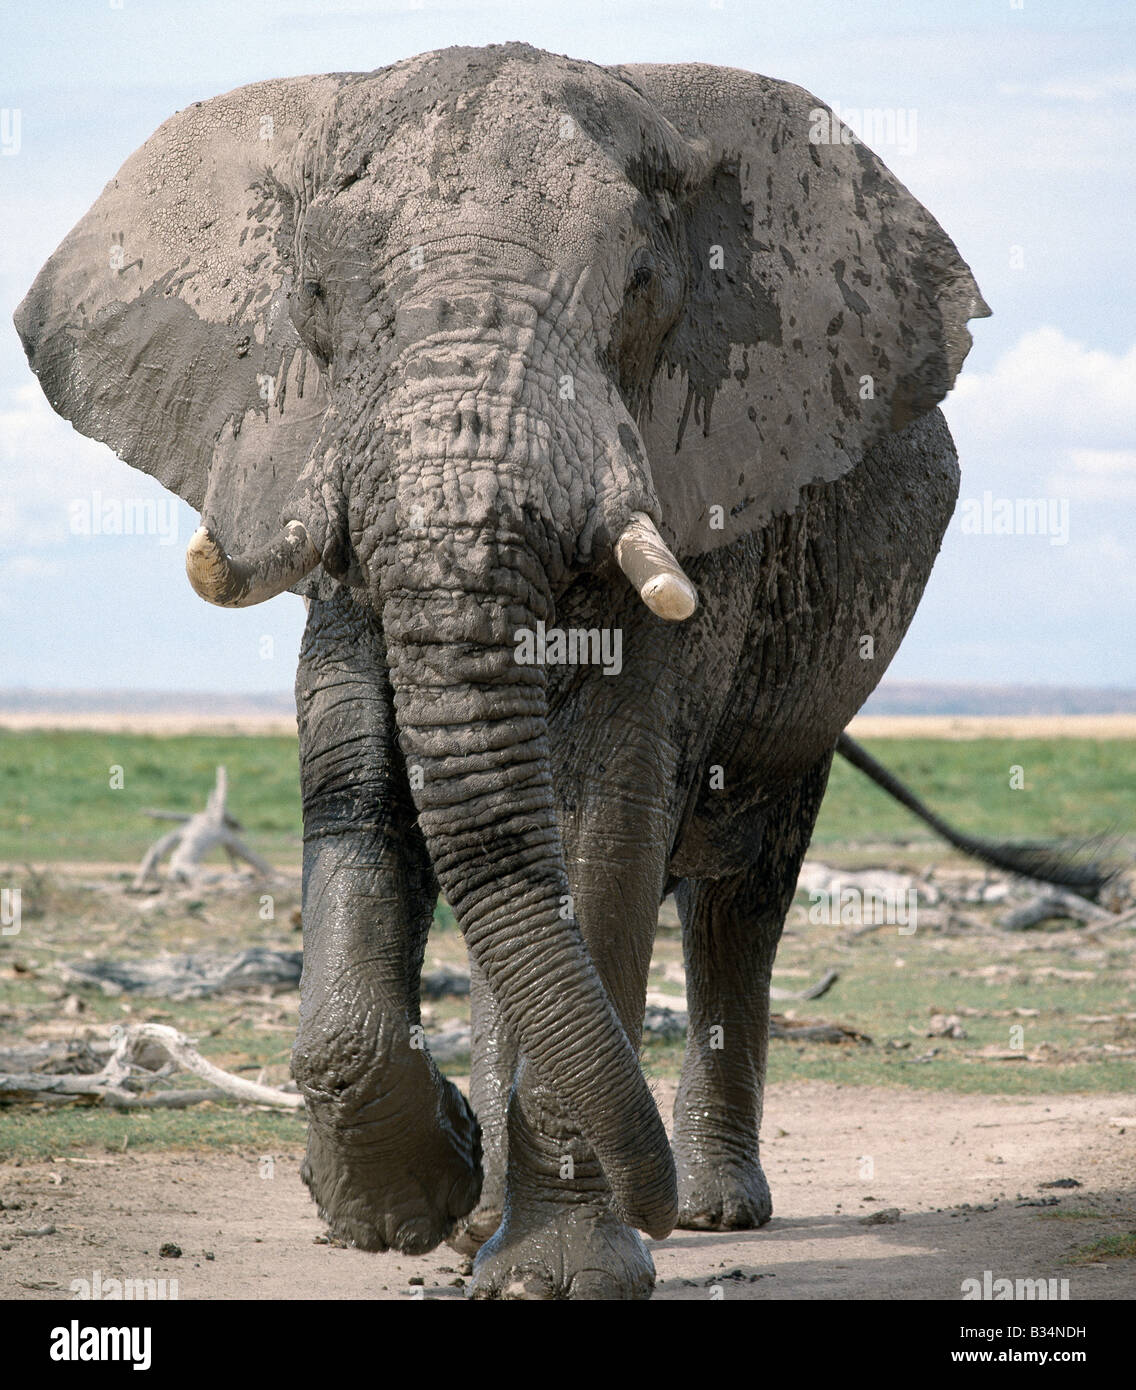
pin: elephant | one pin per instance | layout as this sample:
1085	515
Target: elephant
593	411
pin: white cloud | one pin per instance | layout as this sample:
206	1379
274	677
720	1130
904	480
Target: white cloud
45	466
1052	389
29	567
1097	475
22	570
1093	86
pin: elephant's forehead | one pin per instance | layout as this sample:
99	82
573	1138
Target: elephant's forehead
530	146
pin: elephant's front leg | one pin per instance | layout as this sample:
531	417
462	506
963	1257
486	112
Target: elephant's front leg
731	929
559	1236
393	1149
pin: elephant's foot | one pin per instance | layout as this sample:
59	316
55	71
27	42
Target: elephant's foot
381	1197
577	1252
394	1151
727	1194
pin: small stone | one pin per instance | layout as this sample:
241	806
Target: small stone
887	1216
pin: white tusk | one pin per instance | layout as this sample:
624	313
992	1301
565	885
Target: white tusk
232	582
642	555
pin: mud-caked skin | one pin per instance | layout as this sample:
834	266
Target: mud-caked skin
457	323
393	1147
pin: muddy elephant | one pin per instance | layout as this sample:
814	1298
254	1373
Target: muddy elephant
593	412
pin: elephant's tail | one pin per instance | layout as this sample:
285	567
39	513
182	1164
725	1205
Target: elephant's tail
1088	877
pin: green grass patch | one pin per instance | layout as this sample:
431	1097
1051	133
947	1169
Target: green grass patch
41	1132
1073	788
57	800
1121	1247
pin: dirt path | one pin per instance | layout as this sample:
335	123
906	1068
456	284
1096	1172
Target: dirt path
930	1156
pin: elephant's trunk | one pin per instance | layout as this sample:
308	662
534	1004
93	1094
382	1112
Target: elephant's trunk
473	727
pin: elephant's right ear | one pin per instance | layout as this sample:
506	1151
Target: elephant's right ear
160	326
826	306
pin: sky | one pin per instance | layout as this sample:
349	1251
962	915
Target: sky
1016	127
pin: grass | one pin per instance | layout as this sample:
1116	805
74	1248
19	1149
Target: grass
1120	1247
1043	982
56	799
983	976
31	1133
1073	788
890	988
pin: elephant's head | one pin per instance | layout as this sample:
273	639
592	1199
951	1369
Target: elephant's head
460	330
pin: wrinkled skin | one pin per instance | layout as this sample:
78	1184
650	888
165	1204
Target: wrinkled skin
503	300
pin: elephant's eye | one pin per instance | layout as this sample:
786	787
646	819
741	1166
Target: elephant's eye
308	310
641	276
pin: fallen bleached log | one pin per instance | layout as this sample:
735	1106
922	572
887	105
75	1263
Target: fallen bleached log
156	1042
195	837
1055	902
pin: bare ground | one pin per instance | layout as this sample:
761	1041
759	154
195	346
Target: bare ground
964	726
949	726
960	1170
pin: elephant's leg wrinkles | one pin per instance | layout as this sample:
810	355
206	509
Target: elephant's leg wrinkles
393	1148
731	929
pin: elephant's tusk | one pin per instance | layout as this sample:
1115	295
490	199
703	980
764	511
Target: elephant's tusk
232	582
642	555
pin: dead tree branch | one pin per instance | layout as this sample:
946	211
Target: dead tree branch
193	839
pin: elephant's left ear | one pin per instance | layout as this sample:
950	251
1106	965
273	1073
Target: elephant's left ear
826	306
